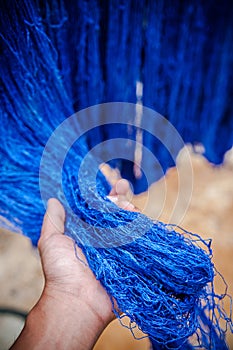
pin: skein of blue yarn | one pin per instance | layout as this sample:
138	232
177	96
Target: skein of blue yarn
161	278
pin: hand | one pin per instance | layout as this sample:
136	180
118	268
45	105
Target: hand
121	195
74	308
65	275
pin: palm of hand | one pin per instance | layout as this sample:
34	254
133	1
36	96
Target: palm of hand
65	274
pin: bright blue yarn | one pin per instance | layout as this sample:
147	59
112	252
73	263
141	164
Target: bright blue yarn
182	54
53	63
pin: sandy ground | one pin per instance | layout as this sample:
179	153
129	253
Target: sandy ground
200	201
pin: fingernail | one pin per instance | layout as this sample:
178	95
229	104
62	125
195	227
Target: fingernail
113	198
128	205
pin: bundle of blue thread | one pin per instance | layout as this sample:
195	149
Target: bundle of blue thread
58	58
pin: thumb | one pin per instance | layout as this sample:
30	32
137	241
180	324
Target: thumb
54	219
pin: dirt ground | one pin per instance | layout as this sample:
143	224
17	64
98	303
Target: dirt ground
201	202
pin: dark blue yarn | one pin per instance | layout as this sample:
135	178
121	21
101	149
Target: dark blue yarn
59	57
181	53
188	72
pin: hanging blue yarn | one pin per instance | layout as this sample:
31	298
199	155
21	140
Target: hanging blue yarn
187	72
59	57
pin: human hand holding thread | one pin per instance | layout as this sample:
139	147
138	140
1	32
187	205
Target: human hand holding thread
74	308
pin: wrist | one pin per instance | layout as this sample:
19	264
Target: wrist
61	321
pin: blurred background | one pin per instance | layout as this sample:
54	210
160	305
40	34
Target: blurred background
209	213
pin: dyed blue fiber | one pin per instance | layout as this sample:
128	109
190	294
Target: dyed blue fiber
58	57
